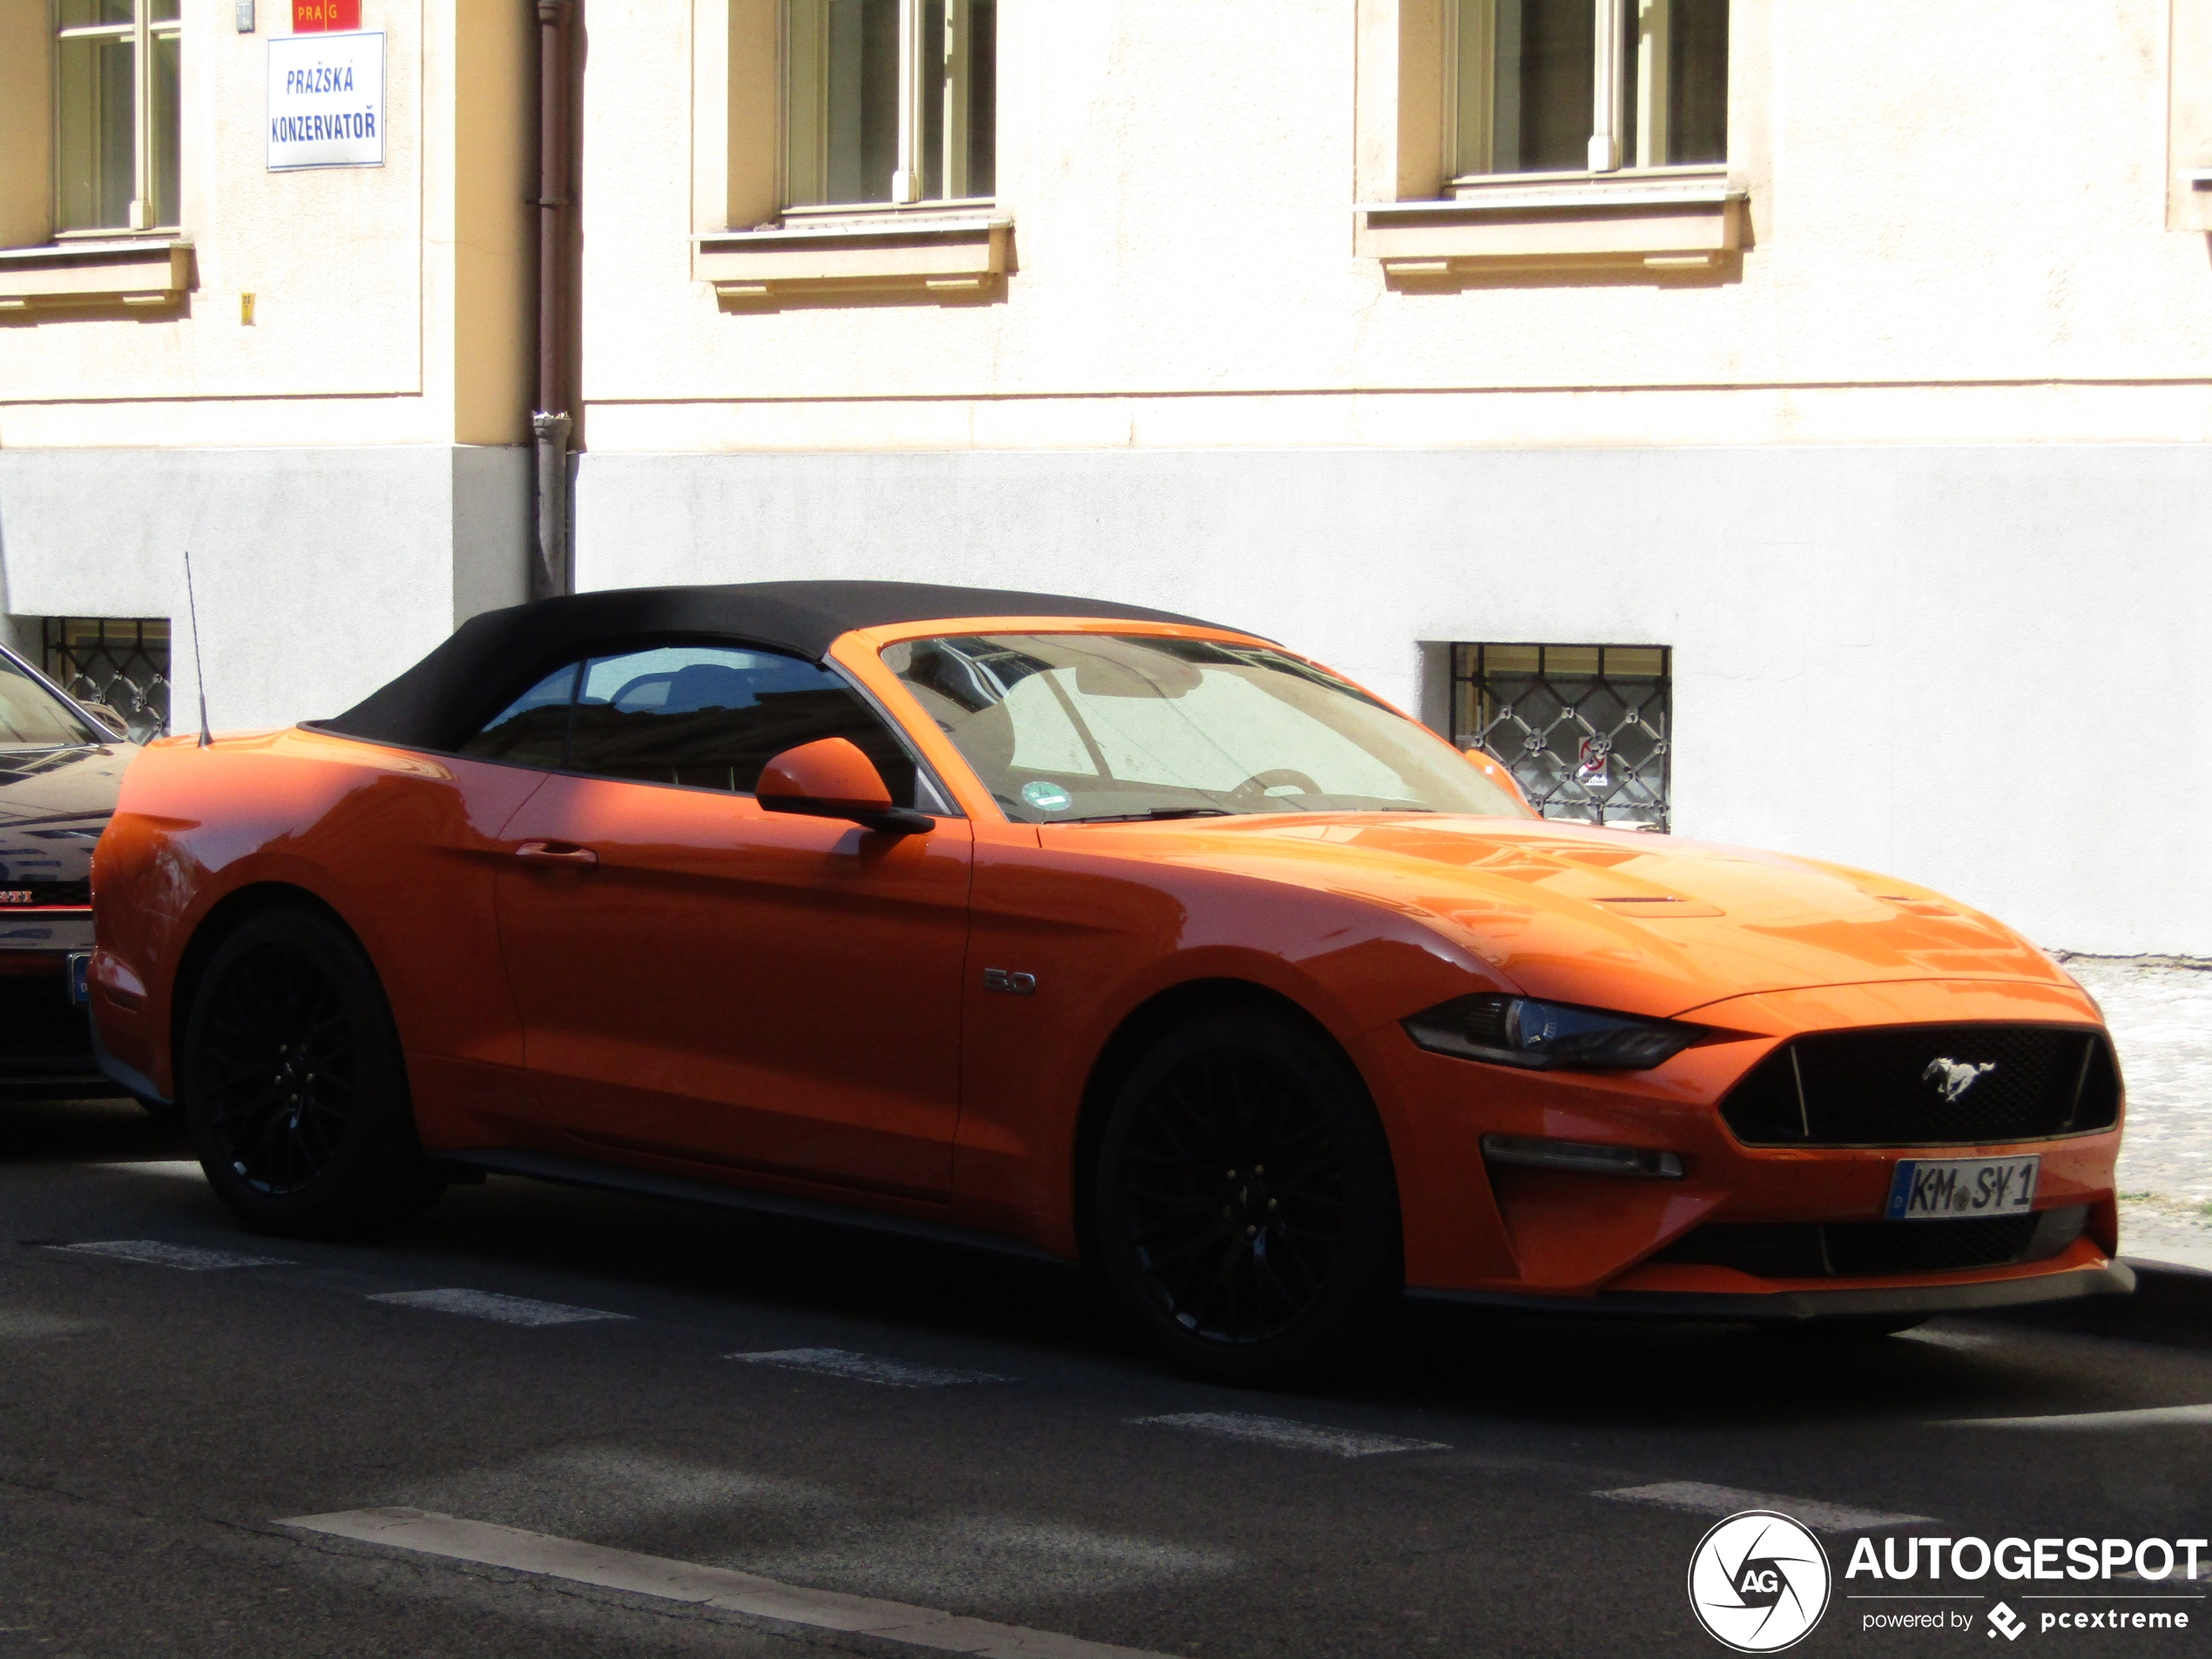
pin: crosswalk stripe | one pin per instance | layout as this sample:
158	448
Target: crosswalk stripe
2140	1417
1696	1498
1284	1432
486	1545
865	1367
153	1252
489	1305
28	1323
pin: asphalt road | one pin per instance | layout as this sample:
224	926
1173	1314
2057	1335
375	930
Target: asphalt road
977	1442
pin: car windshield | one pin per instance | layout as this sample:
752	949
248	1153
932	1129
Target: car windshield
1076	728
33	718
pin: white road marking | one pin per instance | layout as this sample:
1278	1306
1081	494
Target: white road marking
455	1539
2143	1417
865	1367
1694	1497
1282	1431
172	1169
1966	1342
154	1253
489	1305
25	1322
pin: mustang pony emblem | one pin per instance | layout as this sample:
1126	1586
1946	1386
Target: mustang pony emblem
1955	1077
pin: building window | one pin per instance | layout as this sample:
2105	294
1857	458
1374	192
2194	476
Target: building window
1589	85
115	107
120	661
893	101
1584	728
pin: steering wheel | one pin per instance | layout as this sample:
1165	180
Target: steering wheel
1255	787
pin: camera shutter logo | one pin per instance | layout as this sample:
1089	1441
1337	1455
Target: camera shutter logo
1759	1581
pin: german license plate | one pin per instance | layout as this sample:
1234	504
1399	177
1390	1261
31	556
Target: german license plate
1946	1189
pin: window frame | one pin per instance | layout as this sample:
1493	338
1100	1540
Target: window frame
915	88
141	32
928	784
1609	146
77	649
1473	726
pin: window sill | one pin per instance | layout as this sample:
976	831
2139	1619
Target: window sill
875	253
2198	178
1685	221
137	272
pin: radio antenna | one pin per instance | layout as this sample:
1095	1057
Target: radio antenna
198	658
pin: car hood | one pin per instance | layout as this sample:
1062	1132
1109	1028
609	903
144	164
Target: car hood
53	805
1644	923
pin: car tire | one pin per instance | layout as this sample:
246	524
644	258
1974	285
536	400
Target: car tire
1244	1206
295	1087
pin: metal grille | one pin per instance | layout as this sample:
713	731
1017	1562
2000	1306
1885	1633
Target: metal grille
1584	728
120	661
1888	1087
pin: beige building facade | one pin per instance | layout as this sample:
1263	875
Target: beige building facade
1768	421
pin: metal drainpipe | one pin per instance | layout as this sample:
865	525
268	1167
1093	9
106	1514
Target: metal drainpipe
551	568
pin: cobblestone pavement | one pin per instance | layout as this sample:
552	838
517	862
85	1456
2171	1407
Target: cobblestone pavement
2160	1013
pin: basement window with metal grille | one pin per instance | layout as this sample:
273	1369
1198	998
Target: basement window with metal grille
1585	729
120	661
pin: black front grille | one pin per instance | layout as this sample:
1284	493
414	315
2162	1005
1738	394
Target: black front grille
1878	1249
40	1030
1888	1087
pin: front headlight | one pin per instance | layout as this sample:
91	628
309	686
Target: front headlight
1521	1031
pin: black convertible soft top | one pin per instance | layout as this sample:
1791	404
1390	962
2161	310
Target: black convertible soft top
491	658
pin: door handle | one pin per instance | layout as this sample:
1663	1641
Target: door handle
561	854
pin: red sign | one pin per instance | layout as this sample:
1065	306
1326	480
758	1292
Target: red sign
312	17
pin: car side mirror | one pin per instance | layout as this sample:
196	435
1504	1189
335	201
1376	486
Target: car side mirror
103	716
831	779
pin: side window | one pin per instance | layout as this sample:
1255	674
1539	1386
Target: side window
533	729
890	100
710	717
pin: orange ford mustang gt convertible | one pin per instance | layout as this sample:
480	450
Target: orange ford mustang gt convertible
1094	932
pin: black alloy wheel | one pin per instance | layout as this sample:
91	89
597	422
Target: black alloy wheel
294	1084
1246	1212
281	1070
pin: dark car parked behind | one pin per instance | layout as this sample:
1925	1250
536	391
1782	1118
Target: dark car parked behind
61	763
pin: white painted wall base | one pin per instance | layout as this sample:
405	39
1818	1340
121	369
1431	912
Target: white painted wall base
321	573
1983	668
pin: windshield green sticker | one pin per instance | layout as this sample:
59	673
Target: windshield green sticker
1047	798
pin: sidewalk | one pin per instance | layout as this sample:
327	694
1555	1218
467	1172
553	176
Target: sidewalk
2160	1010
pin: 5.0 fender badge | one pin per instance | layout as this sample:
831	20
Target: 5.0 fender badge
1000	978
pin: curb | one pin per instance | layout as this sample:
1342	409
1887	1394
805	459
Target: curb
2171	1305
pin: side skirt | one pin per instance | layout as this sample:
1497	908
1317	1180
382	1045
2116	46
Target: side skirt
582	1172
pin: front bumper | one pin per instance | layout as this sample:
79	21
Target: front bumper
1538	1236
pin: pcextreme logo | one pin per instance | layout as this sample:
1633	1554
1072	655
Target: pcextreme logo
1911	1582
1758	1581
